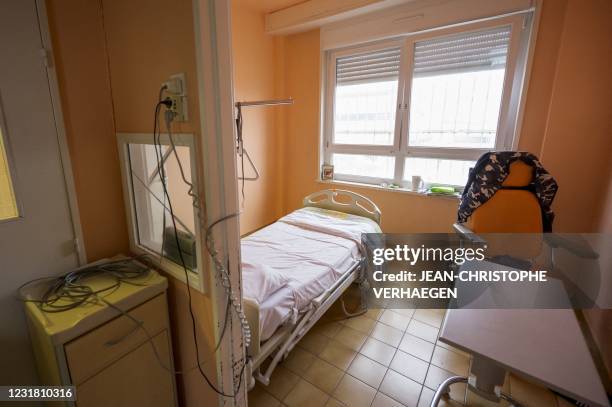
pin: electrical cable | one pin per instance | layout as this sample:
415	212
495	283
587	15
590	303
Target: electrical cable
219	266
240	148
225	279
67	288
162	175
66	291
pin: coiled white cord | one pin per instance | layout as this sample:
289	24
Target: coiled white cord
222	271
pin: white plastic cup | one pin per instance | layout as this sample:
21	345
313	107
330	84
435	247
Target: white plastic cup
417	183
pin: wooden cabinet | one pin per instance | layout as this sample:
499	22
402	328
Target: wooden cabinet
112	358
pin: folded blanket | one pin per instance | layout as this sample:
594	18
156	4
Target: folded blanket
260	281
334	223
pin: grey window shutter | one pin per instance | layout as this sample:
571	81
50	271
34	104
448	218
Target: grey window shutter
375	66
474	51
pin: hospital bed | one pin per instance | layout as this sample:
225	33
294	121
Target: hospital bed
294	269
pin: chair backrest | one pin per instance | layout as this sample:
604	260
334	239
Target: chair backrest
512	211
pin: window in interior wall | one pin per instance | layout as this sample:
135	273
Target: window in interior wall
152	229
8	203
431	115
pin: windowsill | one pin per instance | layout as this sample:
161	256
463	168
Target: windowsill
386	189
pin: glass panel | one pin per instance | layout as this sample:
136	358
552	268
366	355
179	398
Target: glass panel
152	211
365	113
457	89
438	171
8	203
375	166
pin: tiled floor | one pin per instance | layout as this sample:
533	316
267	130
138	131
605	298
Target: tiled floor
383	358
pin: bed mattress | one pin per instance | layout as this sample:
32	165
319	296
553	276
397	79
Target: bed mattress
311	248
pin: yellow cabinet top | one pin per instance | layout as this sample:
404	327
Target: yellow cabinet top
61	327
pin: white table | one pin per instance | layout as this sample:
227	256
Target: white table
546	346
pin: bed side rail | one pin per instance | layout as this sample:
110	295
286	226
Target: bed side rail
251	310
344	201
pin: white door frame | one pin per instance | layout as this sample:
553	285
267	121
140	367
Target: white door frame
212	24
46	53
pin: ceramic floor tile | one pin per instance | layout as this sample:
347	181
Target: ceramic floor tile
407	312
472	399
382	400
394	319
401	388
451	361
409	366
378	351
328	329
350	338
373	313
427	396
332	402
417	347
435	376
361	323
282	382
367	370
258	397
314	342
305	394
299	360
387	334
323	375
422	330
338	355
354	393
429	317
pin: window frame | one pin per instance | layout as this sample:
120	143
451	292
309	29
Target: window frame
11	171
506	137
124	140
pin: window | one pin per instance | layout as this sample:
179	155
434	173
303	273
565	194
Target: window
8	203
152	229
428	104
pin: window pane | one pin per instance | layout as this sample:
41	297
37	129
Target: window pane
375	166
365	113
457	89
366	97
8	204
152	211
438	171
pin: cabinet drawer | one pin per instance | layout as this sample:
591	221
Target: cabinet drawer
90	353
136	379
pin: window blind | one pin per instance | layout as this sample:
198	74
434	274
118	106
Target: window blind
376	66
480	50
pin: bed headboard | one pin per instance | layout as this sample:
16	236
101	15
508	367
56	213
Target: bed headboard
350	202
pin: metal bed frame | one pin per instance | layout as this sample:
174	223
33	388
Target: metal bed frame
287	336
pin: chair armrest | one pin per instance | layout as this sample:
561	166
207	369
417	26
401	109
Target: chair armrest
576	245
468	234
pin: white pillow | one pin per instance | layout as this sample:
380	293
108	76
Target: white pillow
259	281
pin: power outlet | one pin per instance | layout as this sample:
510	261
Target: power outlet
178	107
176	91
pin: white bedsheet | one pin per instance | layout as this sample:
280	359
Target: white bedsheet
312	248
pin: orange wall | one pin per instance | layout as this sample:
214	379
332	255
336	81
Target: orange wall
577	146
79	55
254	79
112	57
561	69
144	49
401	211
